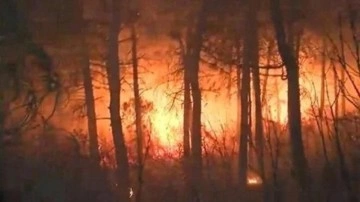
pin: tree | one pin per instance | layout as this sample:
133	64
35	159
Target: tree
259	133
113	76
187	112
350	72
137	100
288	56
194	45
89	97
250	52
16	47
187	103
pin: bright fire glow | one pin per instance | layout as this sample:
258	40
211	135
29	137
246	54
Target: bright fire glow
253	181
218	106
131	192
253	178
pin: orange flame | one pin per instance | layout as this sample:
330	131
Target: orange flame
219	108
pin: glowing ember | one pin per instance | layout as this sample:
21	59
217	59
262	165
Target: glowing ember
253	178
254	181
131	192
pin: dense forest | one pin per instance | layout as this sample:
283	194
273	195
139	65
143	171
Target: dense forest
181	100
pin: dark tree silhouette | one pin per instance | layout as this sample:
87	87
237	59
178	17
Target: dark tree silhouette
138	110
288	55
194	45
259	132
248	62
89	95
113	75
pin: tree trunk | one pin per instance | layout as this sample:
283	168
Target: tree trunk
90	108
245	128
138	116
113	75
196	137
287	53
187	101
187	125
195	43
187	110
323	78
266	78
259	133
238	85
88	89
187	115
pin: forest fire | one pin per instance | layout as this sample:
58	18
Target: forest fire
182	100
161	89
163	112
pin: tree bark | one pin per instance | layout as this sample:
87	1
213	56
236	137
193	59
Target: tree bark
89	93
238	85
287	53
323	78
187	115
187	100
259	133
187	109
90	105
195	43
90	108
266	79
187	124
138	116
113	76
245	129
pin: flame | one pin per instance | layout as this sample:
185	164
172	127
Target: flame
253	178
166	121
131	192
219	108
254	181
